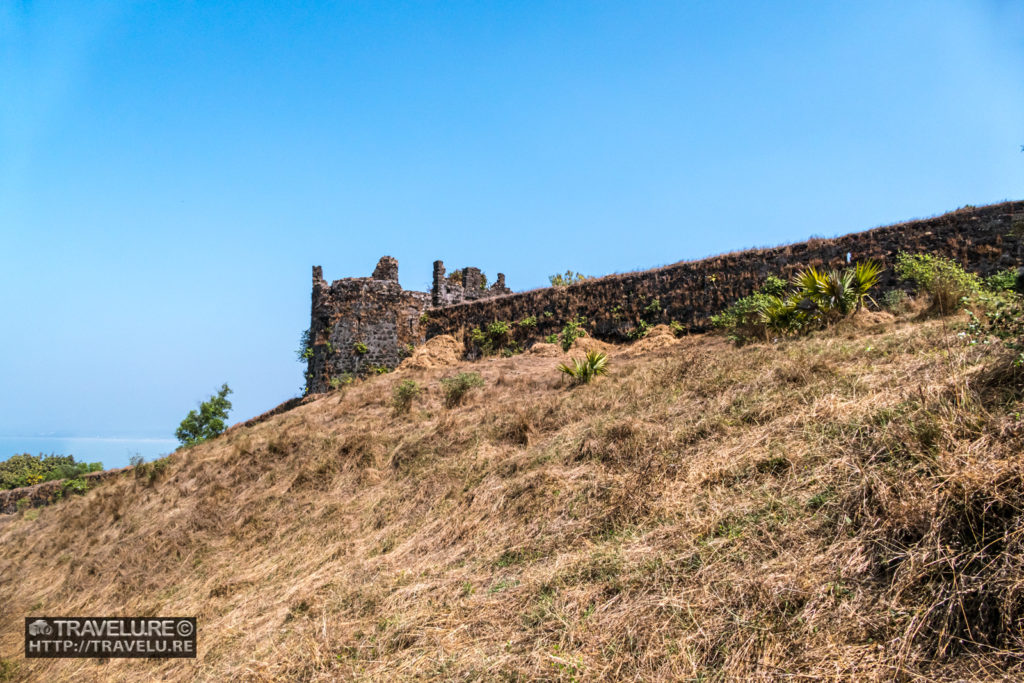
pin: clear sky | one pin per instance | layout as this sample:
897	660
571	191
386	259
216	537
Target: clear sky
170	171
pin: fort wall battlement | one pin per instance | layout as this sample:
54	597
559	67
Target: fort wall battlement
363	323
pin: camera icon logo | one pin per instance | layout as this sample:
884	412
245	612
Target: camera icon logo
40	627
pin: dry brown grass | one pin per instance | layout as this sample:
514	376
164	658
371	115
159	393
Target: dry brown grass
847	506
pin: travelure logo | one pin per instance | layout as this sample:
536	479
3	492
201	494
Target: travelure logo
40	627
110	637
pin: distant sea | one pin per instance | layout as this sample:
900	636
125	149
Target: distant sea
112	452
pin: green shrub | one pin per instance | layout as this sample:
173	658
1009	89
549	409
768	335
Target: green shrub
496	337
783	316
455	388
552	338
360	348
1003	281
404	394
512	349
573	330
583	370
944	280
339	381
74	486
149	472
1002	318
773	286
528	321
642	329
653	308
566	279
743	321
208	422
677	328
28	470
894	301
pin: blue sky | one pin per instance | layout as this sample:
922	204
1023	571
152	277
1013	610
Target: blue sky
169	172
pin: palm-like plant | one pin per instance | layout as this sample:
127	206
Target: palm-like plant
781	314
826	289
866	275
838	293
583	370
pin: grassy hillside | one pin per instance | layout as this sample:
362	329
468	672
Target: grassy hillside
847	505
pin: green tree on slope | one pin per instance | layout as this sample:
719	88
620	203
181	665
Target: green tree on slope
208	422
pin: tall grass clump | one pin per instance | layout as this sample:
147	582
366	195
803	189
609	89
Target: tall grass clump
404	394
455	388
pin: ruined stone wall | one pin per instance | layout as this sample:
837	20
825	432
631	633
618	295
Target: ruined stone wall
463	285
690	292
361	323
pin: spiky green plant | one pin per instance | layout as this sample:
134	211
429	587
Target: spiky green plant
781	315
832	291
866	275
585	369
838	293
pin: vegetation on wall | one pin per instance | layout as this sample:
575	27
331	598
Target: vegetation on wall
305	350
573	330
494	338
567	278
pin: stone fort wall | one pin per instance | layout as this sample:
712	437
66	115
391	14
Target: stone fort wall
377	313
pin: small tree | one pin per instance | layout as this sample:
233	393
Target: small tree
208	422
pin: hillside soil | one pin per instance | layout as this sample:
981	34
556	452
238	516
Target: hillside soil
845	506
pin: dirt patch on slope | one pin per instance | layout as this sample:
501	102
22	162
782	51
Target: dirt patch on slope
437	352
659	337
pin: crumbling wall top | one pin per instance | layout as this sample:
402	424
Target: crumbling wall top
387	269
